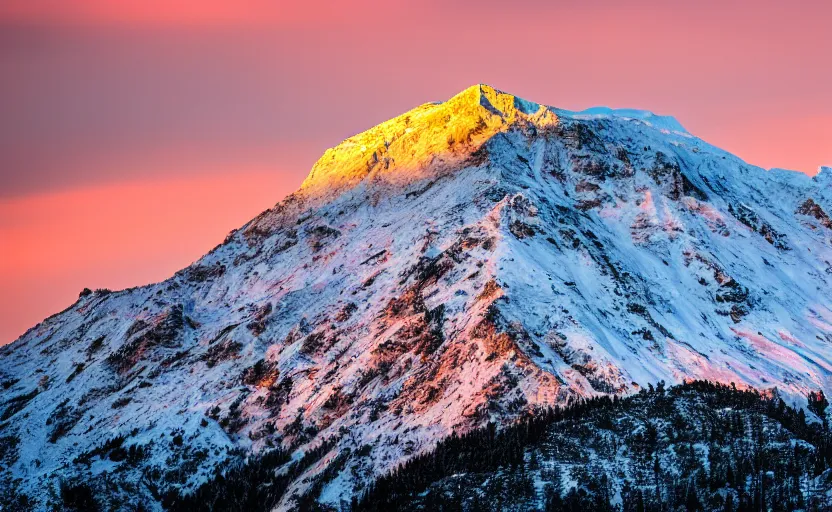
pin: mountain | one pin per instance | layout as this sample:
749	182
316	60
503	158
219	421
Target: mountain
467	262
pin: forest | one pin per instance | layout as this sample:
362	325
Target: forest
695	446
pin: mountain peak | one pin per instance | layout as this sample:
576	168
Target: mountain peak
399	150
501	102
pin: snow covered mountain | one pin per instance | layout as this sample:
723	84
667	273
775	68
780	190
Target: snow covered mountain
465	262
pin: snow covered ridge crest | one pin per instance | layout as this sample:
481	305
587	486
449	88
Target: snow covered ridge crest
408	146
465	262
659	122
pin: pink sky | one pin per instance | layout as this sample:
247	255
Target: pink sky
135	135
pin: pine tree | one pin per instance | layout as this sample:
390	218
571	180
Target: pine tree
692	500
728	506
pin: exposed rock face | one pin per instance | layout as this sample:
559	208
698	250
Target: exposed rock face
812	209
464	262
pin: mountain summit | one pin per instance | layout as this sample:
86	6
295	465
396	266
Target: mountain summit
466	262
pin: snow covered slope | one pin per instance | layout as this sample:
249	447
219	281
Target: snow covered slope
463	262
